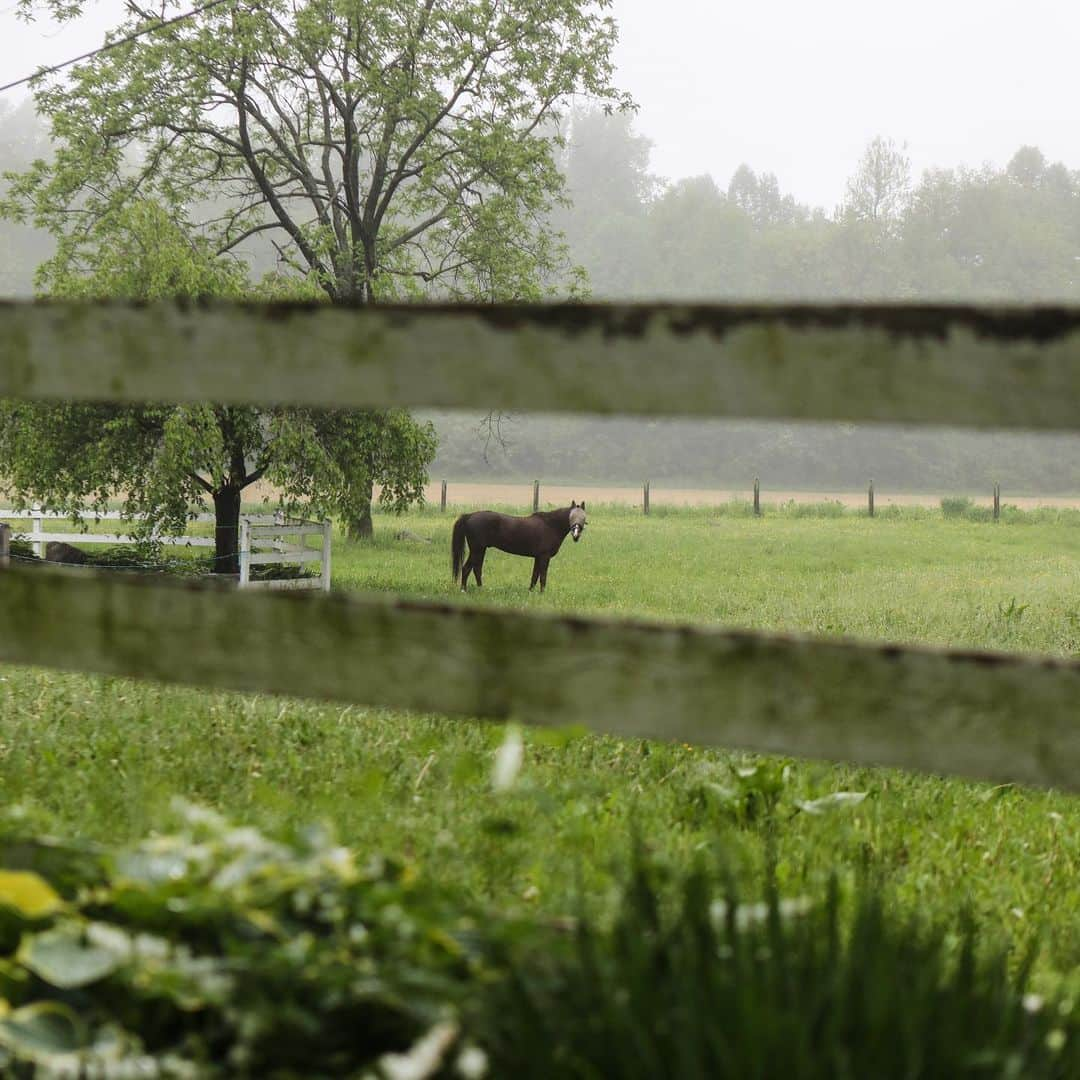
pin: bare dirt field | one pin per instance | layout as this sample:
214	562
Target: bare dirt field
480	495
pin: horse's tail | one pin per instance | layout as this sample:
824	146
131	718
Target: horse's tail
457	546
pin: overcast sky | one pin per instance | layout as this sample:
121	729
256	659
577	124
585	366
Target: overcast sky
796	88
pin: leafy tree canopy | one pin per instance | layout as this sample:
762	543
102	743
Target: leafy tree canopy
163	460
386	148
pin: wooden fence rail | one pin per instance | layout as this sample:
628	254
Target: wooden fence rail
1006	368
991	715
976	714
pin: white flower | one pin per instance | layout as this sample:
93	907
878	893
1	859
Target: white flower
508	759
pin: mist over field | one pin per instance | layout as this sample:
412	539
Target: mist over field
729	454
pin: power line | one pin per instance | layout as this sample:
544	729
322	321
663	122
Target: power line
116	44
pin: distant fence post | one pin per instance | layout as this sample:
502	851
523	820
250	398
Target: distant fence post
870	498
757	497
5	546
645	496
997	501
442	499
536	496
328	532
37	527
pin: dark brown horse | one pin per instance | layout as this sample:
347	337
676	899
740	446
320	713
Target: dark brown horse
538	536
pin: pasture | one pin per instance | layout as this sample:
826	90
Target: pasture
102	758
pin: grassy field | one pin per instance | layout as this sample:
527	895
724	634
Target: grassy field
102	758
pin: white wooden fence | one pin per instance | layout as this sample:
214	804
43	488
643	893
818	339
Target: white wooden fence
39	537
258	533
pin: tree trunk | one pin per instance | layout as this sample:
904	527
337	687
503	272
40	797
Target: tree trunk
227	530
360	526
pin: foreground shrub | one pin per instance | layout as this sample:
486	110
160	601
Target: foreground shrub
217	952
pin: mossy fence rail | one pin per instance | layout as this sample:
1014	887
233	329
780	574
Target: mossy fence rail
995	715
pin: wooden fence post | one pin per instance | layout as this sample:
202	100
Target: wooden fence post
645	496
757	497
870	498
36	527
442	500
245	552
997	501
536	496
5	546
328	528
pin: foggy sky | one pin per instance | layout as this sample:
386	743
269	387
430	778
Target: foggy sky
794	88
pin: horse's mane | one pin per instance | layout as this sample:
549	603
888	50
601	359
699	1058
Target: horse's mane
556	517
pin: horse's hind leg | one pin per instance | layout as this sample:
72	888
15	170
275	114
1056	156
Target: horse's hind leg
535	574
477	560
543	573
467	569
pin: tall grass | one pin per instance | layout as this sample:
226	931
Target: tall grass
794	988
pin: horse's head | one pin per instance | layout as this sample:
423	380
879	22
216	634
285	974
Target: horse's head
577	520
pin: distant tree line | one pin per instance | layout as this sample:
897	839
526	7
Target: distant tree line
954	234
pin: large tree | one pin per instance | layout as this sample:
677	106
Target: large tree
386	149
165	460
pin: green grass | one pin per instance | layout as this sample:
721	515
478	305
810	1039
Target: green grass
906	579
101	758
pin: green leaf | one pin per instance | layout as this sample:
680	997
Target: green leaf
65	959
30	895
42	1031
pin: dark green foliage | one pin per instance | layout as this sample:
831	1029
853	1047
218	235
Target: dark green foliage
956	506
961	507
22	548
217	952
718	989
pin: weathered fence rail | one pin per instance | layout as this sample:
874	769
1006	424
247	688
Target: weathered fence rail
991	715
1007	368
978	714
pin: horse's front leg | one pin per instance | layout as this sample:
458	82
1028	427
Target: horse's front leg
543	565
535	574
